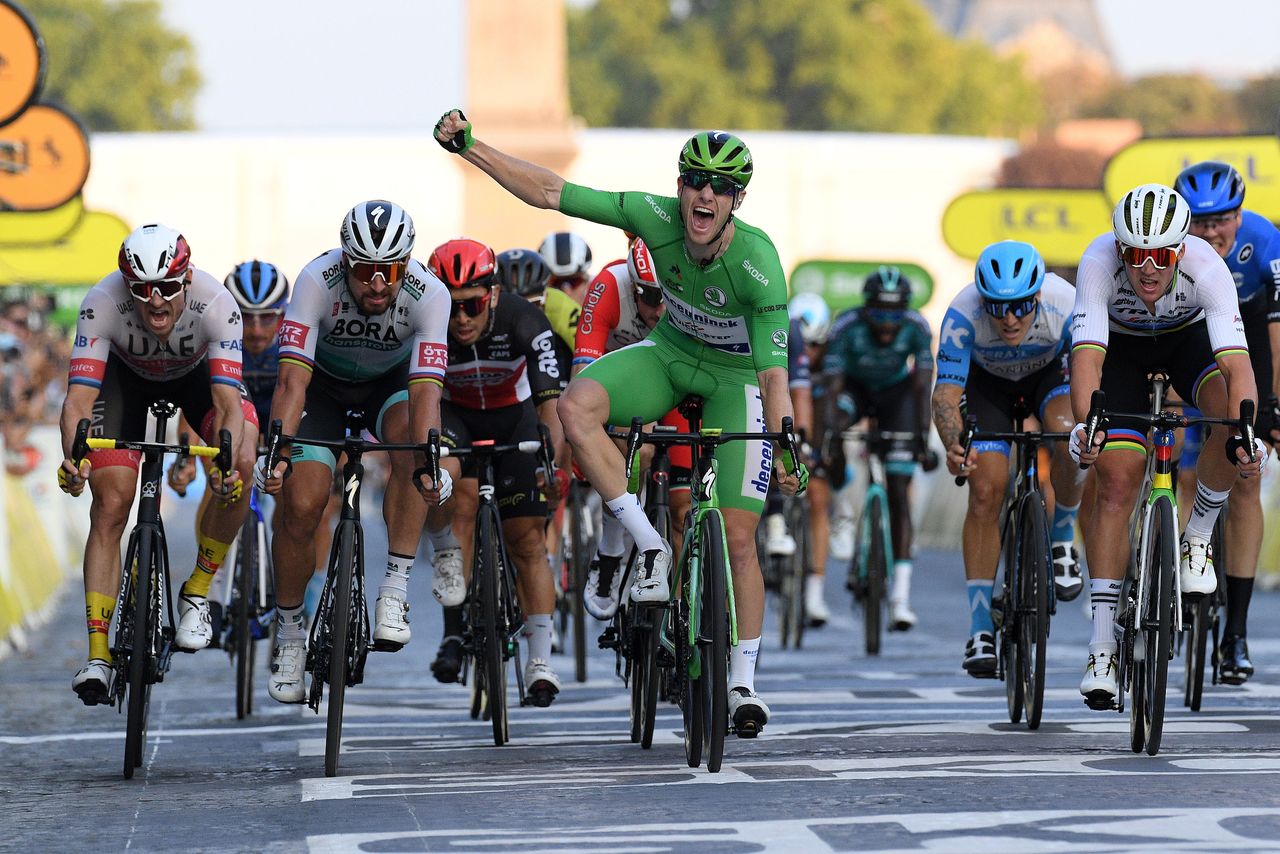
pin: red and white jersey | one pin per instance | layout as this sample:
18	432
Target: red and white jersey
209	327
323	327
609	320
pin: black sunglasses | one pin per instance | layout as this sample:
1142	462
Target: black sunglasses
471	307
696	179
651	297
999	308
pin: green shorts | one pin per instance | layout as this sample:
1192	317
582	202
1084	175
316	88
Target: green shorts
649	378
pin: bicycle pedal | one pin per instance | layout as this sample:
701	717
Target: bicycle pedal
387	646
1100	701
540	697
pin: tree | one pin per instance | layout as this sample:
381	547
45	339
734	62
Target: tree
865	65
1259	102
1171	104
1049	164
116	65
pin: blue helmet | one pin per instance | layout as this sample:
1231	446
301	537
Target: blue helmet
258	286
1009	270
1210	187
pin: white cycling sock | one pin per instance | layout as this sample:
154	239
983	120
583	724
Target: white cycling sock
901	581
291	623
1204	510
814	586
537	629
613	537
742	664
443	539
626	509
1104	593
396	581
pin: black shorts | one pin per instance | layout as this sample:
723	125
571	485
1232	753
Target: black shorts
125	398
516	474
893	407
994	401
324	414
1184	354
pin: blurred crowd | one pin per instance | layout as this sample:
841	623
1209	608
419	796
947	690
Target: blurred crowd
34	356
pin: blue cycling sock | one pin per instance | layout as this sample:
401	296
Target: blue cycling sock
1064	524
980	605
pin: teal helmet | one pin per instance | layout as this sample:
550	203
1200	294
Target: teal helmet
886	287
717	152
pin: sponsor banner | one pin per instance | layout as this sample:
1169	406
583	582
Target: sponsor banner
37	228
83	257
1160	160
44	159
22	61
840	282
1059	223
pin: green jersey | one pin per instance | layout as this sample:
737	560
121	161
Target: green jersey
854	351
730	313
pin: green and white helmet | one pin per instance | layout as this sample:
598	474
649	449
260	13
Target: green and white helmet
718	152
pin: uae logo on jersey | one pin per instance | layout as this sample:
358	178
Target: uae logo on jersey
715	297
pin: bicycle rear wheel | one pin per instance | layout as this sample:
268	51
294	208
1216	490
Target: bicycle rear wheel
580	557
495	641
242	607
1196	617
714	640
791	588
339	641
141	652
875	573
1034	578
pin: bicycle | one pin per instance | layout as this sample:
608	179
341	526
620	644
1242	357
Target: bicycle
1204	618
871	568
698	625
1027	598
341	621
144	640
494	620
784	574
633	633
249	592
578	537
1150	607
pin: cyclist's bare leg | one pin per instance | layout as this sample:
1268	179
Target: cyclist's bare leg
1244	527
300	511
112	489
584	408
535	587
1118	475
1064	473
748	583
899	489
404	511
819	496
981	533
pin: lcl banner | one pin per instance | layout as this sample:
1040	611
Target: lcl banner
1160	160
1059	223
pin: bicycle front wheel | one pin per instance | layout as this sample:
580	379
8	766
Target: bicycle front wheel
339	641
1156	629
1033	580
714	640
580	557
242	606
875	572
791	596
143	563
493	659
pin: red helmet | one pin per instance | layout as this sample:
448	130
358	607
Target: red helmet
463	263
644	275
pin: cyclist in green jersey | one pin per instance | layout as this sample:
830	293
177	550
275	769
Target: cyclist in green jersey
723	337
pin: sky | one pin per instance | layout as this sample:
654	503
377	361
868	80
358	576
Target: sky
338	65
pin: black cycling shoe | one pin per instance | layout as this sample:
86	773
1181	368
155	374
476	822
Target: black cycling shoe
1067	581
980	656
448	663
1235	667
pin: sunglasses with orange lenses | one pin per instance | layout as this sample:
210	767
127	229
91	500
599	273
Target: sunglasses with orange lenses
471	307
391	271
1160	257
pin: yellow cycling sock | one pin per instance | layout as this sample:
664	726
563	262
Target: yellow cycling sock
98	608
209	556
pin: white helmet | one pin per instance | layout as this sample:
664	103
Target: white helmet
566	253
154	253
1151	216
814	316
377	231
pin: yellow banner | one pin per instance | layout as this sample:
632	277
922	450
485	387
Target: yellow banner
1160	160
83	257
37	228
1059	223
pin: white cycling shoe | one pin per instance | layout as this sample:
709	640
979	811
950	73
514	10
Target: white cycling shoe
747	711
93	683
541	682
901	617
652	574
1100	684
1197	566
195	626
604	584
391	624
447	583
777	540
815	606
288	663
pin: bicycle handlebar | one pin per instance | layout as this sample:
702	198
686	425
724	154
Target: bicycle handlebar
709	437
1099	417
83	444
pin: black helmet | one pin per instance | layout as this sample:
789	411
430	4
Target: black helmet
886	287
523	271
